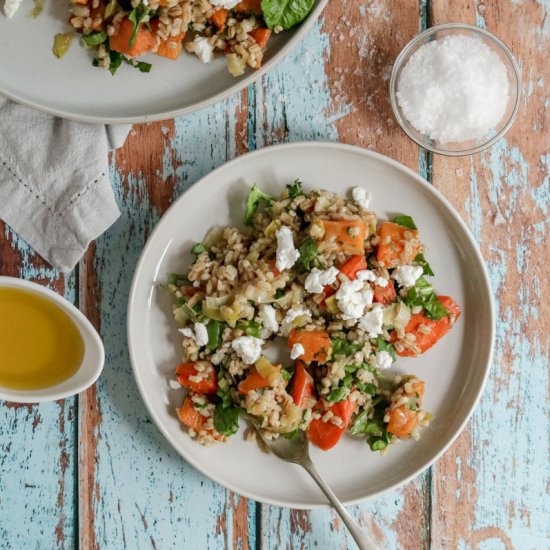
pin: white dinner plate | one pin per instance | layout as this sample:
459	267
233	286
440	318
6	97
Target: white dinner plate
455	369
72	88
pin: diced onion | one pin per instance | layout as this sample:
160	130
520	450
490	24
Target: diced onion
266	369
235	64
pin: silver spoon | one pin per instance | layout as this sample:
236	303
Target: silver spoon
296	450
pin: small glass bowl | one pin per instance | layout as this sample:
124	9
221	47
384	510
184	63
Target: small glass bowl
469	147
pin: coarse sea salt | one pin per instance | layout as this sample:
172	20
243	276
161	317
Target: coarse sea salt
454	89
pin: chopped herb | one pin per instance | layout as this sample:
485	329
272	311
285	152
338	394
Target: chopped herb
420	260
292	435
94	38
177	279
226	419
347	382
137	15
142	66
365	425
287	375
279	293
419	292
255	197
435	310
294	189
308	252
115	61
405	221
198	248
223	390
215	330
351	368
251	328
378	443
366	387
284	14
370	368
336	395
422	294
343	347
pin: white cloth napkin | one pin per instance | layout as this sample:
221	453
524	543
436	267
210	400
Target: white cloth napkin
55	190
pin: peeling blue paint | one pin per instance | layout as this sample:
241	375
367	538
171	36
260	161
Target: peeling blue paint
37	453
140	510
296	95
473	206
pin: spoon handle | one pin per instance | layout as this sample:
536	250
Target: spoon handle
364	542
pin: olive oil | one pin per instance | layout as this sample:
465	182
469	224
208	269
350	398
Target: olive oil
40	346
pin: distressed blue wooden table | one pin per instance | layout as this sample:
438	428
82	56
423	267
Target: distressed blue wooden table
94	472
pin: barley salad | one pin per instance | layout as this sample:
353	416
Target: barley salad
121	31
345	292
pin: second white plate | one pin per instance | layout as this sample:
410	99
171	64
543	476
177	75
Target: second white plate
72	88
455	370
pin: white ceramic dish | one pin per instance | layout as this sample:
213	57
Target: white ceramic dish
72	88
92	362
455	370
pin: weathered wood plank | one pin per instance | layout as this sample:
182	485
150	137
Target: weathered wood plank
37	442
339	80
160	501
489	489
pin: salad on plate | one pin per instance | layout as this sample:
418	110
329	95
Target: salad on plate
122	31
344	292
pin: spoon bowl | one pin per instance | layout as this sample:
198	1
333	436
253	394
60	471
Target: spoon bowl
296	450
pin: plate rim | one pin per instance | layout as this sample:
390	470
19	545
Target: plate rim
160	115
266	151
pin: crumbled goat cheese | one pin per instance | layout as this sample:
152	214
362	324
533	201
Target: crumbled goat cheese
286	252
200	334
382	360
368	275
406	275
202	48
302	315
361	197
371	322
268	316
352	298
11	6
227	4
317	279
297	351
248	348
174	384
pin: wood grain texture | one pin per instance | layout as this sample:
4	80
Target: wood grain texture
491	488
37	442
489	492
337	98
136	492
